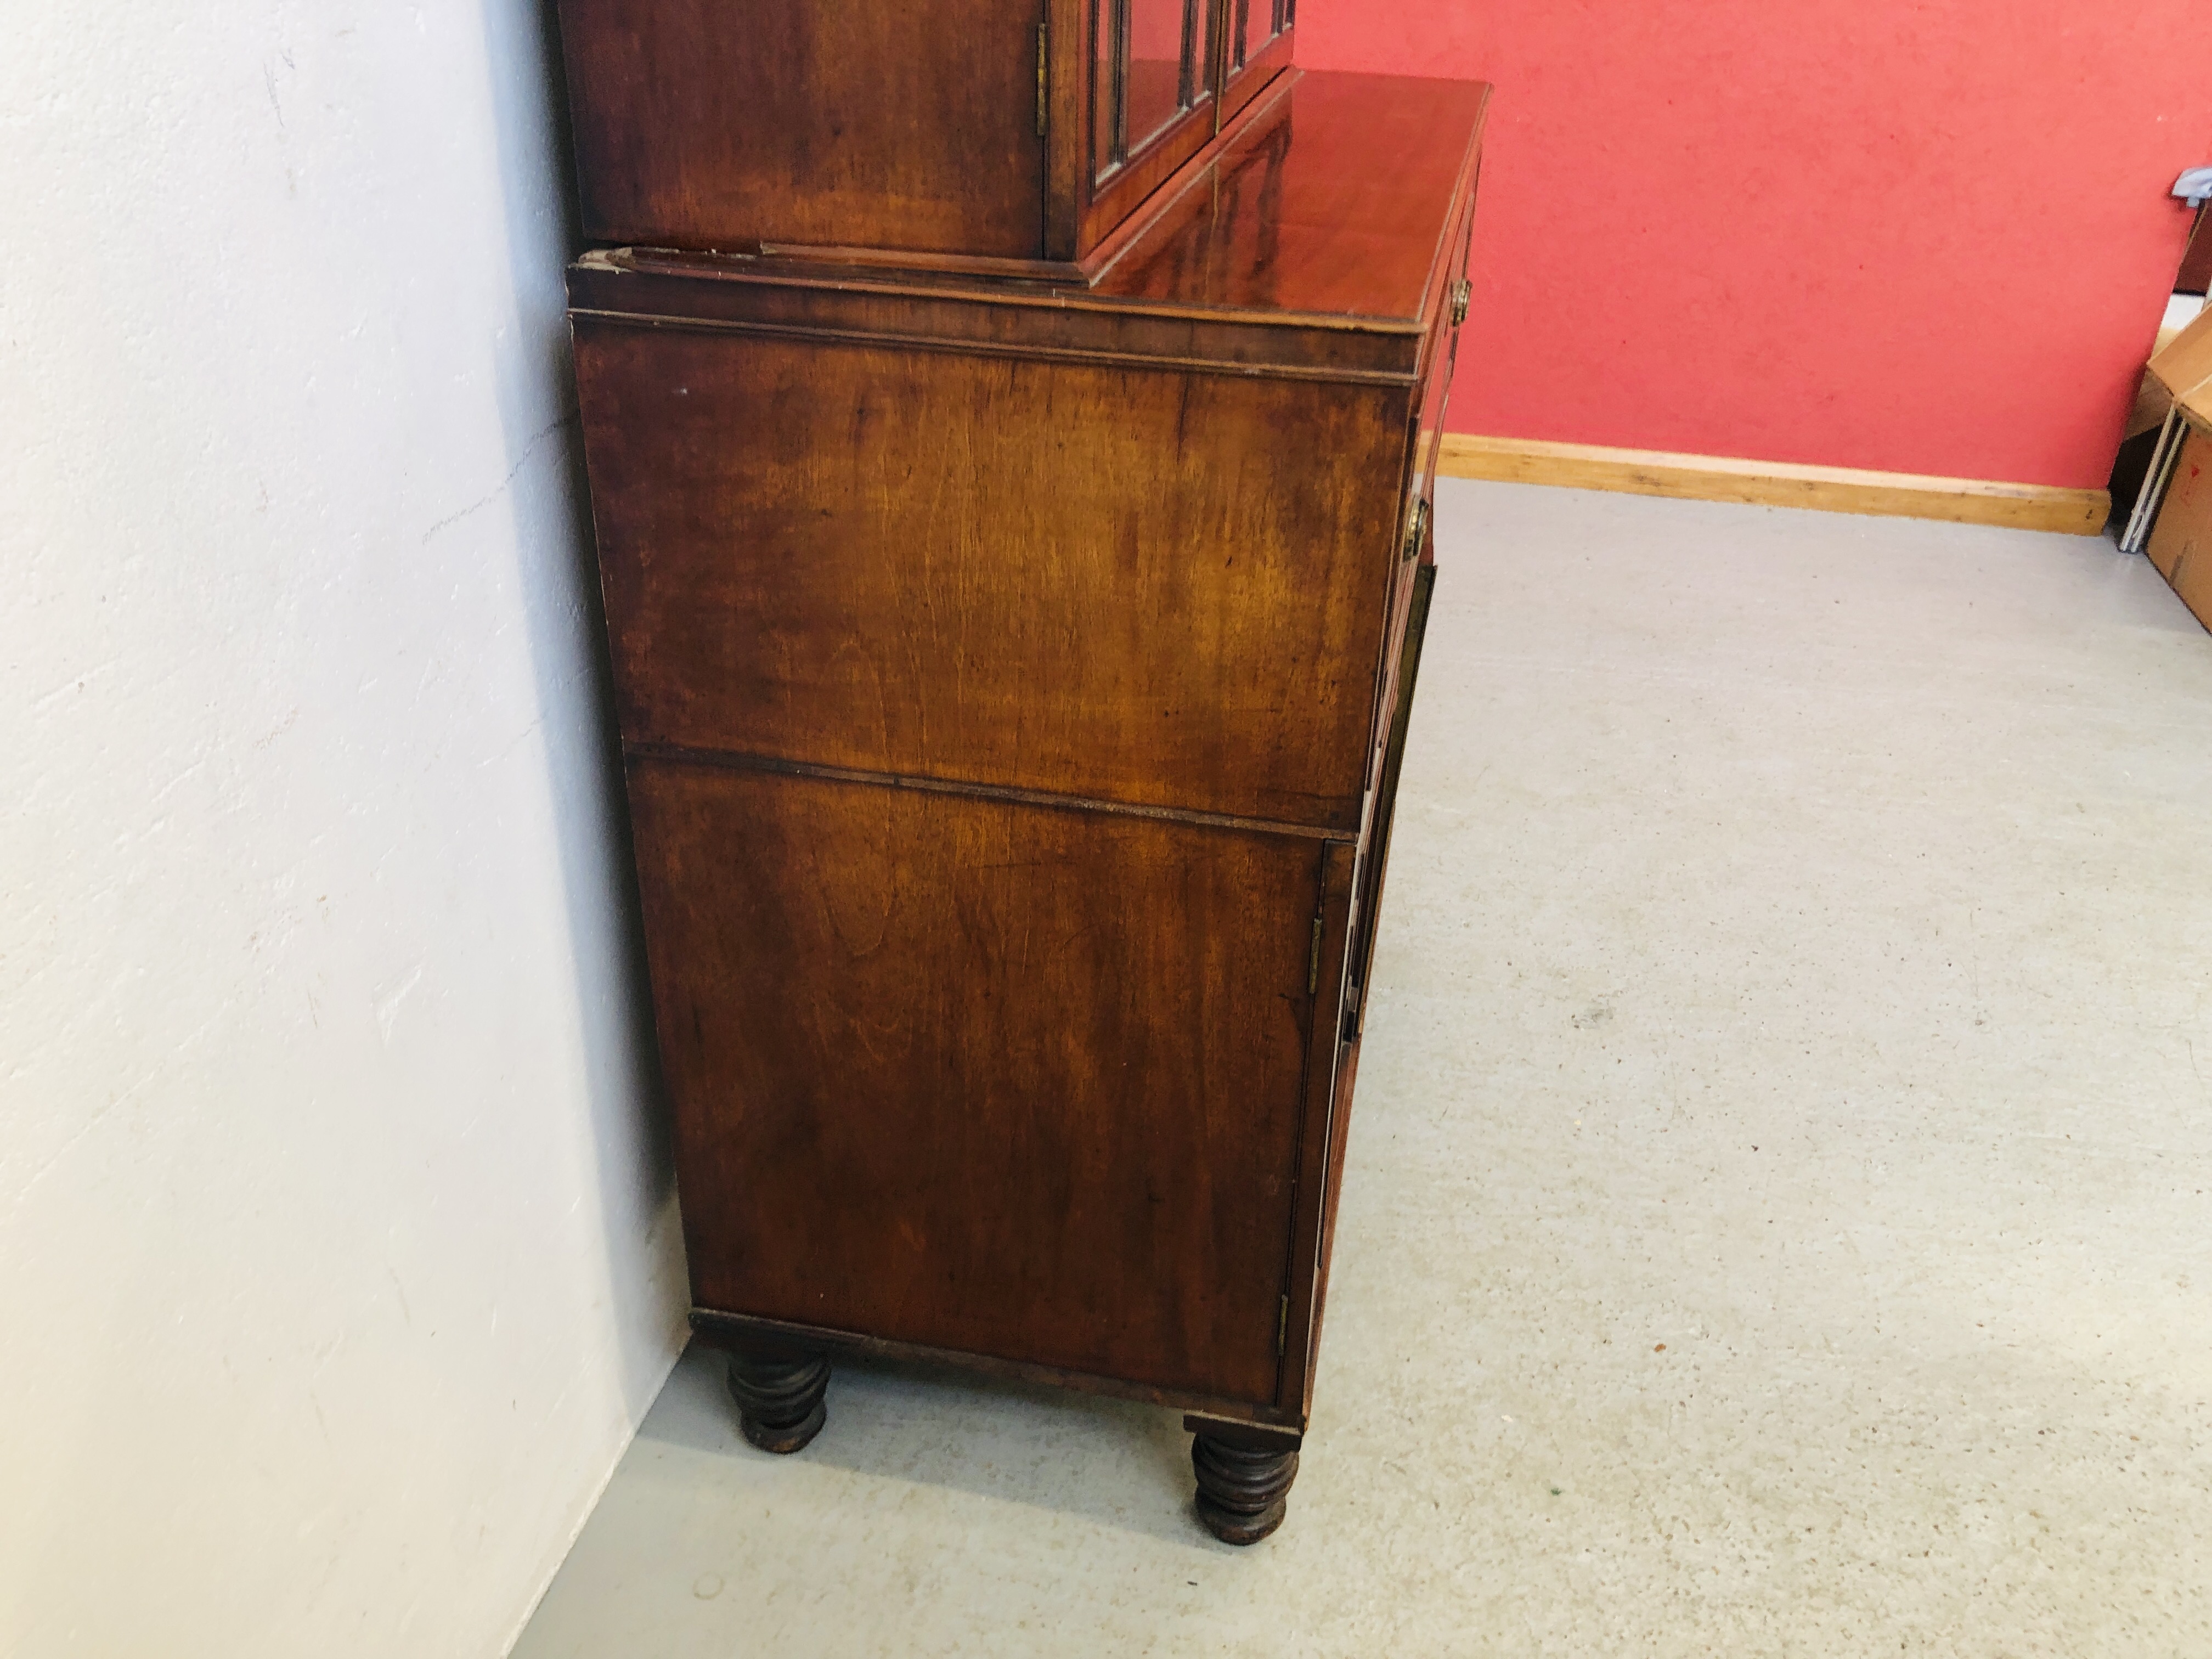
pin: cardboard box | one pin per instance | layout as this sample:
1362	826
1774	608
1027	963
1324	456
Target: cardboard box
2183	369
2179	374
2181	540
2153	397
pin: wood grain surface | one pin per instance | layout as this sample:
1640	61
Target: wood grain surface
1092	581
985	1076
724	123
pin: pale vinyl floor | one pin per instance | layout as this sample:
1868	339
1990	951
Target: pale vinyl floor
1779	1211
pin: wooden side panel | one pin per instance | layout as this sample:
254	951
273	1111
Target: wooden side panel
720	122
1013	1080
1145	587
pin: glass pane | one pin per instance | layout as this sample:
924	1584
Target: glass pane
1157	81
1256	23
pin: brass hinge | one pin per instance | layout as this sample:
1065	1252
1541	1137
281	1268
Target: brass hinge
1462	291
1283	1329
1313	962
1041	79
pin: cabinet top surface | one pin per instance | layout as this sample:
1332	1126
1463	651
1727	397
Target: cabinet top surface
1332	203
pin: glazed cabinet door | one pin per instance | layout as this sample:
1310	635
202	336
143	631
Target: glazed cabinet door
1157	71
1153	78
1256	47
1152	75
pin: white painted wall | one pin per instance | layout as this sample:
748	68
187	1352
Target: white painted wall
338	1252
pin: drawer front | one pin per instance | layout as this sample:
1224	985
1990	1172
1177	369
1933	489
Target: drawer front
1137	585
1425	443
1443	353
1416	549
999	1078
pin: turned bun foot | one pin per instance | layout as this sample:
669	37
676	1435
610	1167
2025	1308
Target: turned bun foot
779	1399
1243	1481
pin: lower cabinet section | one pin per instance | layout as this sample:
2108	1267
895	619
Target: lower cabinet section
985	1076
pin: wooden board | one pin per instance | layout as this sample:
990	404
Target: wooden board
1009	1079
1075	579
1773	483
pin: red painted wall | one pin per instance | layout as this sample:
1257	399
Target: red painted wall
1914	236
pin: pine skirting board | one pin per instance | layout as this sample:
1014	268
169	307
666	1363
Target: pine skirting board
1775	483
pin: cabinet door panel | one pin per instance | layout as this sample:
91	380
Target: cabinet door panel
1128	584
999	1078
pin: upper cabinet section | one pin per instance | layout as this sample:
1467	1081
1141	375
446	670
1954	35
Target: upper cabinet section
1013	136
